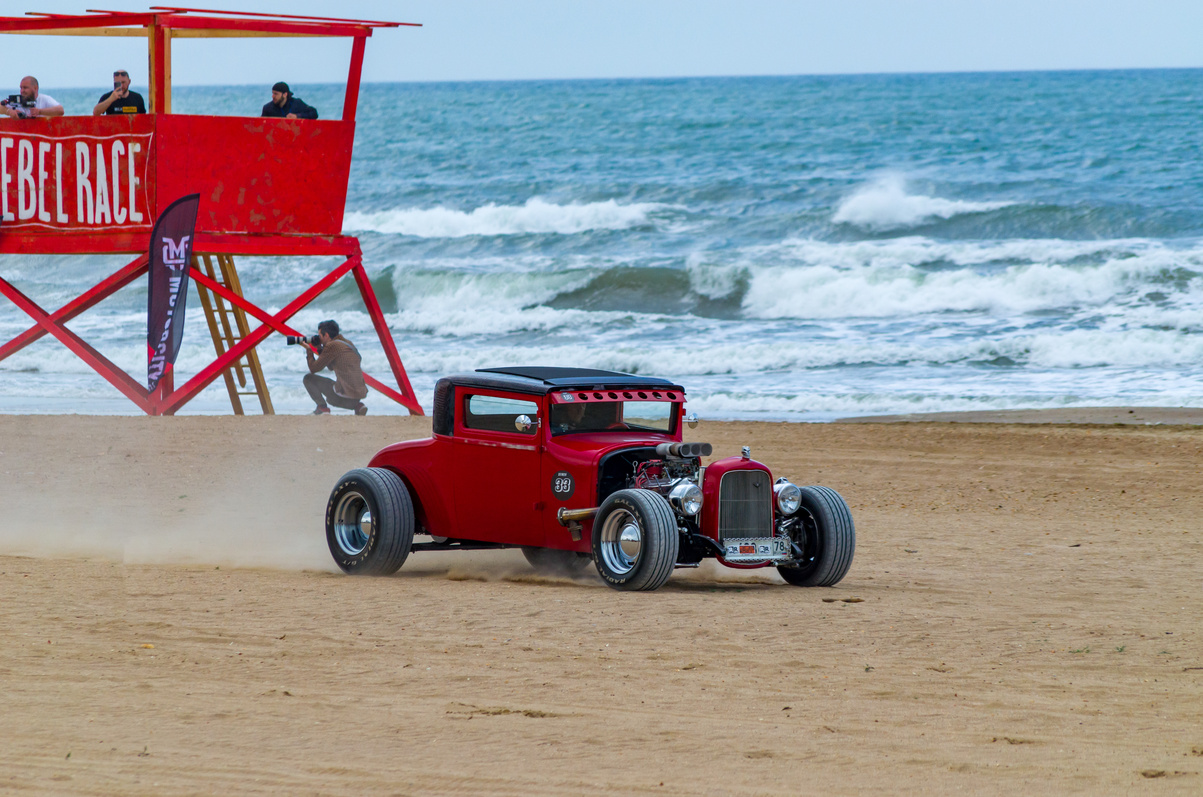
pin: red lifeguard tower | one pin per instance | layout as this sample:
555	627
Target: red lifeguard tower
94	185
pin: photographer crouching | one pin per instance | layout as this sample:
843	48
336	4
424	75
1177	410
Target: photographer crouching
340	356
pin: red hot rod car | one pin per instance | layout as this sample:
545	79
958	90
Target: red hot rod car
576	466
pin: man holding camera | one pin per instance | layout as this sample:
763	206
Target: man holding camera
286	106
31	102
120	100
340	356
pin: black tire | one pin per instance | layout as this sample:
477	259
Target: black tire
635	540
826	536
370	522
552	560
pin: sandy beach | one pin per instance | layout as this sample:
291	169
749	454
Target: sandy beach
1021	617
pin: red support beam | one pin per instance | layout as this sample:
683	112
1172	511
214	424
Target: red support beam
72	21
369	22
272	245
351	100
80	304
264	317
162	391
252	245
160	86
386	337
99	363
265	27
408	402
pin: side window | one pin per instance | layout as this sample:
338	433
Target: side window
495	414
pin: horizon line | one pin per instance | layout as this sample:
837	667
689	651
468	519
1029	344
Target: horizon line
916	73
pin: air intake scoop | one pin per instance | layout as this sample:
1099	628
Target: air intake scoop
684	450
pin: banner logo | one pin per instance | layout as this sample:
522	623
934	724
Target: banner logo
175	256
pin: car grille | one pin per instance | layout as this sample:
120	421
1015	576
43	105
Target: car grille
745	504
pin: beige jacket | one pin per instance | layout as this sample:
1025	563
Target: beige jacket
343	359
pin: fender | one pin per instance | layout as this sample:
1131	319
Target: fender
419	466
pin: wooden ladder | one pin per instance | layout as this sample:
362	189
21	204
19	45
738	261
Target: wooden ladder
228	325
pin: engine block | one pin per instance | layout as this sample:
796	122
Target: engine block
661	474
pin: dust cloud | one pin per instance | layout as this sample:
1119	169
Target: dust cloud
240	492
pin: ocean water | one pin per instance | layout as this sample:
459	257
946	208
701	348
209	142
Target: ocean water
797	248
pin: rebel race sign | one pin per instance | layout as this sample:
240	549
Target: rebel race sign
80	182
170	261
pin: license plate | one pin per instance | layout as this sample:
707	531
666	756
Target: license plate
757	549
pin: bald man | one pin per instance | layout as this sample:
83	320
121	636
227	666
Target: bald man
33	102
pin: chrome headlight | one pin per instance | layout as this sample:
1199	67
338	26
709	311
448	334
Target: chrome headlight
789	497
686	498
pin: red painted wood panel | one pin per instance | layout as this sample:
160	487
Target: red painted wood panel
255	175
65	183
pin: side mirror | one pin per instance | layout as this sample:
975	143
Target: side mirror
692	419
523	423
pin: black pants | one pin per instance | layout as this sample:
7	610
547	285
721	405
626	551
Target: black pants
321	390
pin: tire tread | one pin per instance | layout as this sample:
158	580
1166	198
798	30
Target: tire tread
393	519
839	542
660	567
661	555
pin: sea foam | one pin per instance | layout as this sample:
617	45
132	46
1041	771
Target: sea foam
885	205
536	216
895	278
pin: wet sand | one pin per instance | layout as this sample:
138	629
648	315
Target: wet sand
1022	616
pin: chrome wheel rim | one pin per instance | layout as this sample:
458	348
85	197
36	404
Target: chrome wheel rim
621	542
352	524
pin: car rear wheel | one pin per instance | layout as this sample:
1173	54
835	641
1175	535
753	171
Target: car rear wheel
827	537
370	522
635	540
551	560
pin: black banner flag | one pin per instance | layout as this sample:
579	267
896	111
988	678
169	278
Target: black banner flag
170	262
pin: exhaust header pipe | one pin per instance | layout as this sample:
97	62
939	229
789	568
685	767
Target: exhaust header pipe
565	516
684	450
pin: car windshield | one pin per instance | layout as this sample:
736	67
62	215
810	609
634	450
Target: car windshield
612	416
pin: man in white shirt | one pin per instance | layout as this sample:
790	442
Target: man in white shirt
33	102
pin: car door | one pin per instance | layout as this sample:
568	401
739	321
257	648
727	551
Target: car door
497	468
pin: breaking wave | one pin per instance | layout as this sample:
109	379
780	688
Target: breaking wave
909	276
885	205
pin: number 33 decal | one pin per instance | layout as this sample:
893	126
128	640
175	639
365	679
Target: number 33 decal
562	485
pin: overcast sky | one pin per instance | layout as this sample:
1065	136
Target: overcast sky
540	39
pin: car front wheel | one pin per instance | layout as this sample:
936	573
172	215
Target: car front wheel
370	522
635	540
826	536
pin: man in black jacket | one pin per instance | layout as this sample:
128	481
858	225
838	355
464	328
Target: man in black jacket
286	106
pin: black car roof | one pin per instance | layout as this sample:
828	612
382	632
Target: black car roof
547	379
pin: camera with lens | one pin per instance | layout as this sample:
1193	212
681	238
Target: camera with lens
297	340
19	104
